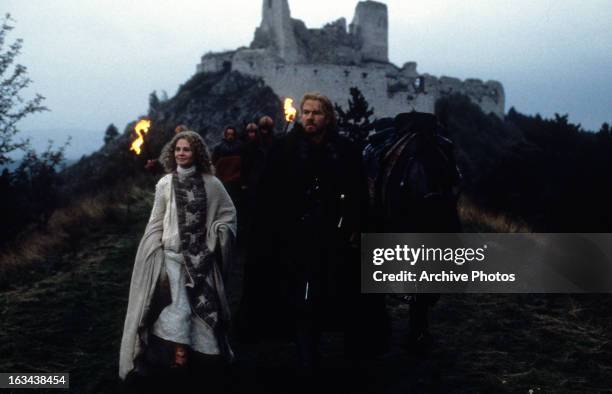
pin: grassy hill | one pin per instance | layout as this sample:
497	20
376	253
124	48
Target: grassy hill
71	319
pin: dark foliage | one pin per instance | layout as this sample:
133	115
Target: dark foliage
154	103
111	133
548	171
605	130
111	166
28	194
558	179
481	140
355	122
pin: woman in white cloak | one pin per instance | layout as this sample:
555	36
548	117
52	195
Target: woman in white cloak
177	293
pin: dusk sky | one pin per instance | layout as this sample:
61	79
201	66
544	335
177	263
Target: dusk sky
96	61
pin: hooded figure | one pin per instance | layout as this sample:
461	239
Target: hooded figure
177	308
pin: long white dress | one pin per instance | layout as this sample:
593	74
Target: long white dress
160	249
176	322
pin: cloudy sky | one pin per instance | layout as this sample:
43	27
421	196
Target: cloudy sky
96	61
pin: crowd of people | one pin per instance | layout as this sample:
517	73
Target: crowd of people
239	161
299	202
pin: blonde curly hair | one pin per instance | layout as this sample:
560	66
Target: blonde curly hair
201	154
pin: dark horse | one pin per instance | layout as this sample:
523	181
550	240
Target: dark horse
413	187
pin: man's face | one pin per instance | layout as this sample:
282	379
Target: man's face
230	134
313	117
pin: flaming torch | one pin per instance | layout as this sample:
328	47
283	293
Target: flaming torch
290	112
141	128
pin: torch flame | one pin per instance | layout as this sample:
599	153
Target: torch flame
141	129
289	110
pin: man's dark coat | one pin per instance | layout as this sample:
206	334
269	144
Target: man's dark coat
304	244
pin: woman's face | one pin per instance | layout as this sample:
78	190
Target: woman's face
183	155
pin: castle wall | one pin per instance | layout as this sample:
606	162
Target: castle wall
389	90
214	62
293	60
331	44
335	81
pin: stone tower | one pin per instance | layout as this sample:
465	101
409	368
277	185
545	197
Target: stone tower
370	25
277	26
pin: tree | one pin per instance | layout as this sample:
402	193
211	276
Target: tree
154	104
29	193
564	124
36	180
111	133
13	108
356	121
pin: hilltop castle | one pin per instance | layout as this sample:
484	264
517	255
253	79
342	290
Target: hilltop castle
293	59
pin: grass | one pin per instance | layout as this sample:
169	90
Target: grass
71	319
36	254
474	219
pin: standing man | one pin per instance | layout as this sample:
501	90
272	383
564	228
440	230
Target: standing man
307	226
252	132
266	131
226	159
252	159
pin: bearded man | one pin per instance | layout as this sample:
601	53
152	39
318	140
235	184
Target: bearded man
304	254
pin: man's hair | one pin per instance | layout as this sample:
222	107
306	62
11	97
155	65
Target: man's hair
326	105
201	154
266	122
251	126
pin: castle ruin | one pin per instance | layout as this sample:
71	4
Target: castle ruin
293	59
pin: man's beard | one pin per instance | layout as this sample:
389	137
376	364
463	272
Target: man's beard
314	130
